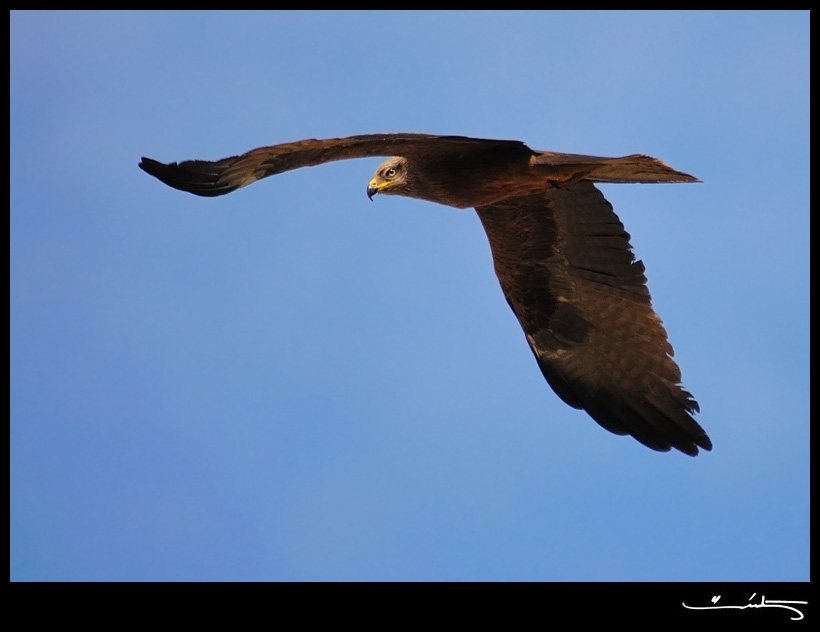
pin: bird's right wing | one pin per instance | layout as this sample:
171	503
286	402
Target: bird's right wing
567	269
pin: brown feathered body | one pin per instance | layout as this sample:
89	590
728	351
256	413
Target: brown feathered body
561	255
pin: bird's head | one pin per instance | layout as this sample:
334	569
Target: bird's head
391	178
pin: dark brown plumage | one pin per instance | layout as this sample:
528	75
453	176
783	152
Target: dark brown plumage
561	254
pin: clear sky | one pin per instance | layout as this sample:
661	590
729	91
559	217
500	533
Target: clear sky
294	383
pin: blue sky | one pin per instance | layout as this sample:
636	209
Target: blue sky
293	383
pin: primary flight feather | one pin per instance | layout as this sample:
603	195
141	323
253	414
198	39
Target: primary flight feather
561	255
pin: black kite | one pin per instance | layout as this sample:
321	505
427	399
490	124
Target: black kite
561	254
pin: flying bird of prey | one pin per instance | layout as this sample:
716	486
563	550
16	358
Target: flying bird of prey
561	254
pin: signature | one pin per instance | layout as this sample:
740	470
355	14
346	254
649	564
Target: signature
763	603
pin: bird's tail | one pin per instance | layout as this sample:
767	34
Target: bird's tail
635	168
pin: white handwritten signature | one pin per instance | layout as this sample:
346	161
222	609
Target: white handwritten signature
764	603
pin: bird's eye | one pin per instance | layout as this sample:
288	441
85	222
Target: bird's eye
390	173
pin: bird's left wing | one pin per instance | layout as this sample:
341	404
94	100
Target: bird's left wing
211	178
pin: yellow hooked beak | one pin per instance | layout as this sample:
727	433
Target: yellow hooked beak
375	186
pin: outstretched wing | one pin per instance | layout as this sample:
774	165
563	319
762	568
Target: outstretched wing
211	178
567	269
